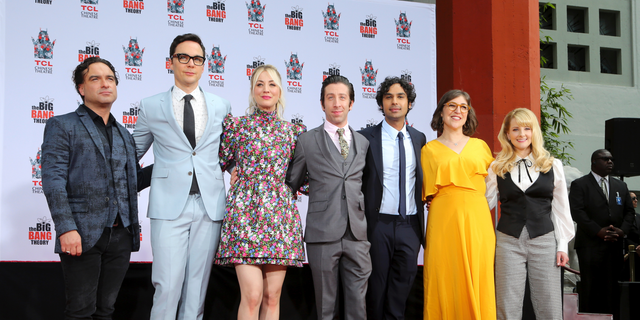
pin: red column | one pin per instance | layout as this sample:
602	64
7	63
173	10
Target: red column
491	49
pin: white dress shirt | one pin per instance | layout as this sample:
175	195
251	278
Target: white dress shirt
332	130
560	209
199	109
391	171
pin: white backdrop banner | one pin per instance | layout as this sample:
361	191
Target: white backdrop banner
42	42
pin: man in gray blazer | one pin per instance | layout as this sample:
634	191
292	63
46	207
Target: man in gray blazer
187	197
332	156
89	177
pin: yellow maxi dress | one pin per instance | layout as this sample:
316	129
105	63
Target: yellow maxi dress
459	257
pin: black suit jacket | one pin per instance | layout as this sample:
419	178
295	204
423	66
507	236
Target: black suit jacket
591	211
372	176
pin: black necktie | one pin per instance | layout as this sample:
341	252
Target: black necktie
189	125
189	128
402	208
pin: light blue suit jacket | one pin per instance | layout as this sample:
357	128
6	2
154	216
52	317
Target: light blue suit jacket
175	159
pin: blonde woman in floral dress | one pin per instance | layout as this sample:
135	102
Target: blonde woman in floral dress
261	231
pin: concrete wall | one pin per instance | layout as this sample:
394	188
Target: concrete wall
596	98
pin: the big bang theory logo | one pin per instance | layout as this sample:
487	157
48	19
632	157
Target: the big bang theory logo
91	50
36	172
216	67
42	111
176	10
293	20
43	52
216	12
88	9
40	234
368	80
294	74
331	24
255	16
257	61
133	6
133	60
368	28
334	70
129	118
403	31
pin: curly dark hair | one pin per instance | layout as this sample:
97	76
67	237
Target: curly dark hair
469	127
384	87
81	70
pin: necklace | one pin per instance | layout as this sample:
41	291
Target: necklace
456	143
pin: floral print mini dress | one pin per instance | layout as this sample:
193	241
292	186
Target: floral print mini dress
261	223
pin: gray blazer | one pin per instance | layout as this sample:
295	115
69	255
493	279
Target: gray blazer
73	178
326	221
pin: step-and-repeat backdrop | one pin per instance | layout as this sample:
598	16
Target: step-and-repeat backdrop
306	40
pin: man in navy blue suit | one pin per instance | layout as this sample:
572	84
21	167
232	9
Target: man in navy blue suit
90	177
392	187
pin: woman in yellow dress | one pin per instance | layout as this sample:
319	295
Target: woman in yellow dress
458	259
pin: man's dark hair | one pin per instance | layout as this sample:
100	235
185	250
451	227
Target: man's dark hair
185	37
81	70
595	155
384	87
337	79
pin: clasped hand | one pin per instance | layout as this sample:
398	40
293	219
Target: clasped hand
610	233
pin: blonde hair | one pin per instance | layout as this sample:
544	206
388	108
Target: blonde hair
505	160
275	75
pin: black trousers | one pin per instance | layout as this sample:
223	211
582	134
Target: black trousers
600	271
93	279
395	245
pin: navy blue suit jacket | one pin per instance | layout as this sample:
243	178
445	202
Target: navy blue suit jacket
74	179
372	178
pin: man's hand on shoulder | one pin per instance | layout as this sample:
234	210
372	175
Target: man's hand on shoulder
71	243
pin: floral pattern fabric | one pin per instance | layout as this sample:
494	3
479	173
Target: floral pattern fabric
261	224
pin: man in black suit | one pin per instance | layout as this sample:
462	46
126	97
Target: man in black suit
392	187
603	210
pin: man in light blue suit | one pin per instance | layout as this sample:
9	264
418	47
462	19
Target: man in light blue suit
187	197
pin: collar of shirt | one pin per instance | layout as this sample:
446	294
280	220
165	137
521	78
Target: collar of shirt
332	130
392	132
98	119
178	94
520	170
598	177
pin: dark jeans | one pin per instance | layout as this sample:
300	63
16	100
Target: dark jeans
92	280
